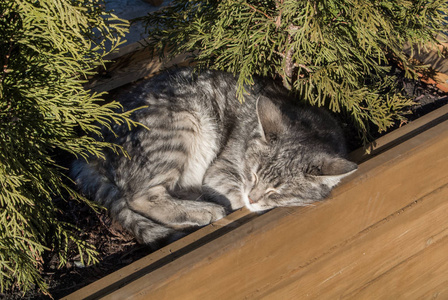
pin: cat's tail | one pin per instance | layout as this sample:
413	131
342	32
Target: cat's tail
98	187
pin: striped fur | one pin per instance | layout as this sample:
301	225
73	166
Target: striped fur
206	154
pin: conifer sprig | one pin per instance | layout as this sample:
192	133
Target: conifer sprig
47	49
336	53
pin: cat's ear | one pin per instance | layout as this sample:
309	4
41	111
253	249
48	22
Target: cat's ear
270	118
333	169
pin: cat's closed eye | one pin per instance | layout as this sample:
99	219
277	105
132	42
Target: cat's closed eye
254	178
271	191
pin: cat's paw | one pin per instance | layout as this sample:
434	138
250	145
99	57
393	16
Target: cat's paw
216	212
209	213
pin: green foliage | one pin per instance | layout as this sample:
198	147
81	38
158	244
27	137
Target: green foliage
47	48
336	53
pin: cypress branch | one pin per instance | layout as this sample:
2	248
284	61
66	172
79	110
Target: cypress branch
48	48
336	53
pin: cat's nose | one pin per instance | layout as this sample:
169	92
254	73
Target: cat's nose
251	201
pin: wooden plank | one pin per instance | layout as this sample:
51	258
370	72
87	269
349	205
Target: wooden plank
373	254
423	276
438	79
127	49
258	256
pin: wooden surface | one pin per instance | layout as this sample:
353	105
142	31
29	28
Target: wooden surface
382	235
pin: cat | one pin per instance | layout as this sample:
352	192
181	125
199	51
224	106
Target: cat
205	154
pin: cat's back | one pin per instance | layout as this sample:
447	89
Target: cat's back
182	100
183	89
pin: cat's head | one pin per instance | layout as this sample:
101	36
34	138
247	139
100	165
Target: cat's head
301	161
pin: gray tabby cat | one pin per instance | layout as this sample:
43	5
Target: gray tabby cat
206	154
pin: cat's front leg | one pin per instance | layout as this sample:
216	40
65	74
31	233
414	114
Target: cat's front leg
157	204
224	184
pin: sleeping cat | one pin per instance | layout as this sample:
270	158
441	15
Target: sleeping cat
205	154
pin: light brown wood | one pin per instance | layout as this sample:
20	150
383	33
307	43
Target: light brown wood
371	255
422	276
384	211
